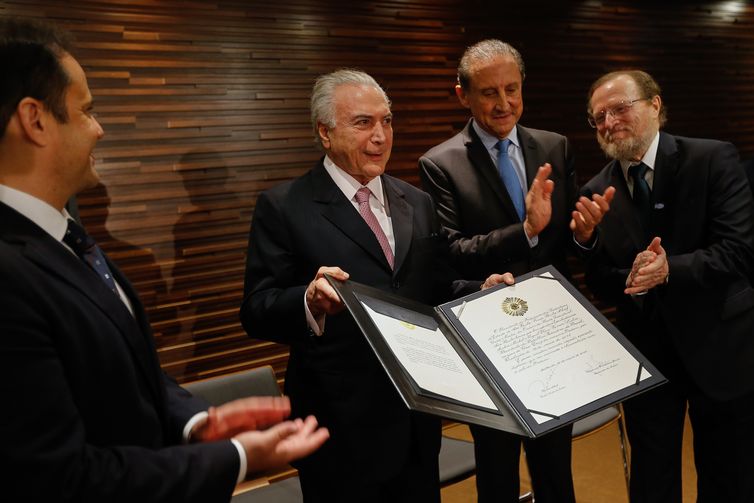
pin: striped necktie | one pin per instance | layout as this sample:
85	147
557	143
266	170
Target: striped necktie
362	197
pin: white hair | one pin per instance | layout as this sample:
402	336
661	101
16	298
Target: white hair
323	95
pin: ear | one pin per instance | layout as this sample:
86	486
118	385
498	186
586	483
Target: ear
324	134
462	96
34	120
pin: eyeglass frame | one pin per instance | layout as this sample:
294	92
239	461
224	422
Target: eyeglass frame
627	105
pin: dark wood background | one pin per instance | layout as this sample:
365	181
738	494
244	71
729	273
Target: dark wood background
205	104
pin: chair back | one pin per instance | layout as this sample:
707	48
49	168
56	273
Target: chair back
595	422
219	390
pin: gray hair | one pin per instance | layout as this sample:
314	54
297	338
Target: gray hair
484	51
323	93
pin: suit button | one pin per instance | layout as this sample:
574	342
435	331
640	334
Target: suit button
396	285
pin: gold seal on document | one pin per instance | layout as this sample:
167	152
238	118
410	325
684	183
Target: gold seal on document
515	306
408	325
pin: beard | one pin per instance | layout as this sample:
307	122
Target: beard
626	149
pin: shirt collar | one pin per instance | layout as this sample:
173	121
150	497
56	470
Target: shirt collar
349	185
650	156
489	141
52	221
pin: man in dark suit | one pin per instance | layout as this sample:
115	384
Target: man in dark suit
347	218
478	190
675	253
90	416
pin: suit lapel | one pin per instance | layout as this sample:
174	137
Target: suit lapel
402	218
144	345
340	212
533	157
480	159
51	256
665	171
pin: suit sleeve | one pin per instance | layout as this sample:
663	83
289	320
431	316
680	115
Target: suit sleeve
48	453
717	247
728	252
273	305
181	407
605	278
499	245
573	193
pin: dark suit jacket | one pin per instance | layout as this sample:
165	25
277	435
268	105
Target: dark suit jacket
749	169
307	223
475	208
702	210
89	414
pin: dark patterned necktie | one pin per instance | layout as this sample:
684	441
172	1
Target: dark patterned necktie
510	178
85	247
642	194
362	197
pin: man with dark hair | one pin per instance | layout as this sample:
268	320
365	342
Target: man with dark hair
379	231
505	194
675	254
92	417
26	49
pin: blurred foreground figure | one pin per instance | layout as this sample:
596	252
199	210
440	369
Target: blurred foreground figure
90	415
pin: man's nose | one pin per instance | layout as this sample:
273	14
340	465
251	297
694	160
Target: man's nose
378	133
502	102
100	130
610	120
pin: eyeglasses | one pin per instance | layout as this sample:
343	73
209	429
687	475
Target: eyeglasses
617	111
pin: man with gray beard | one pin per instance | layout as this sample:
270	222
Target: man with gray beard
675	254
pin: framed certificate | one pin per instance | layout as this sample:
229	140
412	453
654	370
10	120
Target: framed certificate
526	358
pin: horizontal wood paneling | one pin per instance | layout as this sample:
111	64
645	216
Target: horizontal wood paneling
205	104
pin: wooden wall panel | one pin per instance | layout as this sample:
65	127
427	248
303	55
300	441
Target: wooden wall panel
205	104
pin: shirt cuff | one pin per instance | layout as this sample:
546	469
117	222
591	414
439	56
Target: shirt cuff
532	241
200	417
242	460
589	245
197	418
316	325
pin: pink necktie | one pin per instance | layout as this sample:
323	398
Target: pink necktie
362	197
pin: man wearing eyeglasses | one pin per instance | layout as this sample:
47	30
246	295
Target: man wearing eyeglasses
505	194
675	253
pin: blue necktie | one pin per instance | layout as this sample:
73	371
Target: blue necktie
85	247
642	193
510	179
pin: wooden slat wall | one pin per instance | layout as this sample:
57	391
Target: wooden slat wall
205	104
